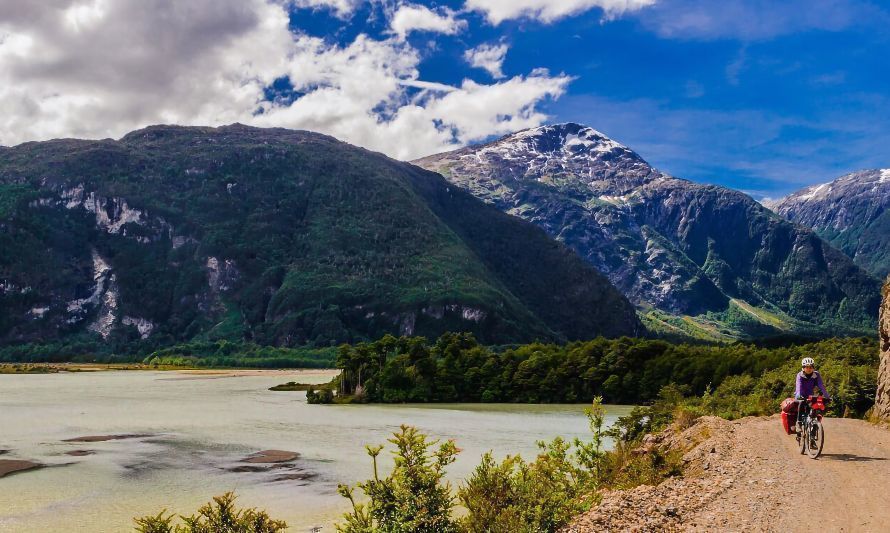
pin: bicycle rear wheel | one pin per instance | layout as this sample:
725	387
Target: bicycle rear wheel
815	439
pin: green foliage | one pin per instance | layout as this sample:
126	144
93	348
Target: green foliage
413	498
630	371
223	353
322	396
542	495
514	495
218	516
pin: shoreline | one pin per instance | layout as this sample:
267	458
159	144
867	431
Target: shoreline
12	368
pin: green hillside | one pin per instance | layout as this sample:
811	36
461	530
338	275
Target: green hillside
274	237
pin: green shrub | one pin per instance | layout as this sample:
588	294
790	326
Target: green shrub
414	498
320	396
542	495
218	516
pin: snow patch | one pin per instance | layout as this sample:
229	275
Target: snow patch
38	312
811	192
885	175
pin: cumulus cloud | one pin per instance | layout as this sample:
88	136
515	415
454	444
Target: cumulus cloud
489	57
100	68
410	17
497	11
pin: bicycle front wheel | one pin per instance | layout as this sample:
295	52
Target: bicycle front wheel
815	439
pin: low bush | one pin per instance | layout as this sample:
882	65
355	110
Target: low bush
218	516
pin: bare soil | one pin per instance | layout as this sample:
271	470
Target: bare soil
748	475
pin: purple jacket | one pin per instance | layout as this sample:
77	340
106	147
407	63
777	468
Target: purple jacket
806	385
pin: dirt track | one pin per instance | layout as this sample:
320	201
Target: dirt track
846	489
748	475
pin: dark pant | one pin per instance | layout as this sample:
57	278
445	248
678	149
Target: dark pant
803	409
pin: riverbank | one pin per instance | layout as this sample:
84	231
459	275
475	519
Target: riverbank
53	368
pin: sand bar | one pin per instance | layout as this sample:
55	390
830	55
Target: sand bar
103	438
271	456
11	466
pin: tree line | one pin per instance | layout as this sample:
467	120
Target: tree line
457	368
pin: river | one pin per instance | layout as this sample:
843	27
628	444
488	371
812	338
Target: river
196	428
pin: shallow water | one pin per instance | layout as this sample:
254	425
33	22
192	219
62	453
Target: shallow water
201	425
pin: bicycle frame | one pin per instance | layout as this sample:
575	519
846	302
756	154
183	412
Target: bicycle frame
805	408
809	425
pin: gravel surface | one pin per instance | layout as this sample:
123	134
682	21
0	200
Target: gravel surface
747	475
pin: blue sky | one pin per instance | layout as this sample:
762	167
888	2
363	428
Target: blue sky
764	96
760	98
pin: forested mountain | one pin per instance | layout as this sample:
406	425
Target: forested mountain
851	213
697	259
273	236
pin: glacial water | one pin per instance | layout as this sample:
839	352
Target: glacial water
197	427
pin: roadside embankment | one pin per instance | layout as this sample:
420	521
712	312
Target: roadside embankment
747	475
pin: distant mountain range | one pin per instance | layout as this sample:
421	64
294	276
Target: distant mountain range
275	236
698	260
851	212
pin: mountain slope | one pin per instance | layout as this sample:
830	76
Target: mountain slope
851	212
701	260
276	236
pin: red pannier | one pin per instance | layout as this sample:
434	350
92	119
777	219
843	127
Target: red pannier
789	415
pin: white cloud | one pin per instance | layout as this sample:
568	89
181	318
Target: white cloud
355	86
342	8
497	11
489	57
101	68
411	17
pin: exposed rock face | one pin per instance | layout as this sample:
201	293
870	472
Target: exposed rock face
882	399
851	212
668	244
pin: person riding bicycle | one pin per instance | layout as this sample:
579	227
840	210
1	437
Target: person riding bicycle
807	380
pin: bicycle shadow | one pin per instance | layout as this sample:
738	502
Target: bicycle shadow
849	457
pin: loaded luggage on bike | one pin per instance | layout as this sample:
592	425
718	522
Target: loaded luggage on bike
802	415
789	415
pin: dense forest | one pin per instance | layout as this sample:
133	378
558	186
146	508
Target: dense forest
456	368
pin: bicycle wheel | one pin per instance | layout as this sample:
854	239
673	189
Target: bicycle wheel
815	439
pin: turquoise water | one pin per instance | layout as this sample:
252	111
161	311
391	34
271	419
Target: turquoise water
201	425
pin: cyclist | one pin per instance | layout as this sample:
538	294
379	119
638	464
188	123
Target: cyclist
807	380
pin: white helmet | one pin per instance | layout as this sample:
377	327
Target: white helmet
807	361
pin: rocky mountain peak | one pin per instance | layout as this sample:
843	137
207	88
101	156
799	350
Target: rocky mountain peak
864	183
852	212
697	258
567	156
